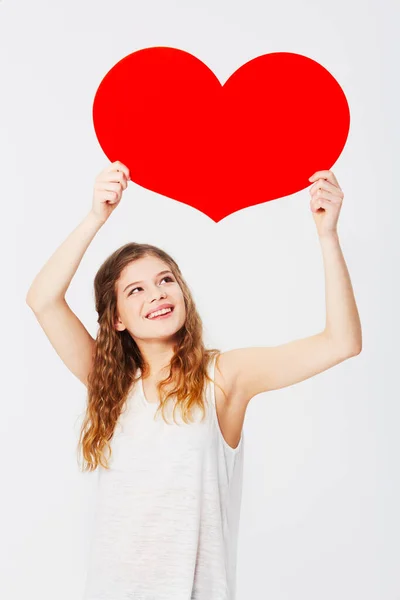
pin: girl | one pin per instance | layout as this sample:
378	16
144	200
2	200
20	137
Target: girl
164	415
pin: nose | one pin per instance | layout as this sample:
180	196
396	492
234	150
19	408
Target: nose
158	293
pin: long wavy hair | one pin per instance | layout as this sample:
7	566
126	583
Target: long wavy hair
117	358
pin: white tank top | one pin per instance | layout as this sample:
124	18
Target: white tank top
167	515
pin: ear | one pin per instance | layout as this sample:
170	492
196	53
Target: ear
118	324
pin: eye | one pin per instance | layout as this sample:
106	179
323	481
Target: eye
140	288
133	289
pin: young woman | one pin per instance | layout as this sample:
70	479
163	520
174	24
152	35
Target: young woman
164	416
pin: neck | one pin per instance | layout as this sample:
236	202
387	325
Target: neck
158	357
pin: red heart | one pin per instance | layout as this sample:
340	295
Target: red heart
220	148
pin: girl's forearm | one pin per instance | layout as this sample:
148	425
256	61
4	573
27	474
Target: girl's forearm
52	282
342	318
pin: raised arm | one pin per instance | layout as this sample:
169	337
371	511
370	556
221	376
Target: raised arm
260	369
46	295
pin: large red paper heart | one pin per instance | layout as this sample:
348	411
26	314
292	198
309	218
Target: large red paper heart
220	148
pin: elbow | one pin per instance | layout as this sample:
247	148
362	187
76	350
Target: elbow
31	301
354	350
28	300
357	345
346	347
38	301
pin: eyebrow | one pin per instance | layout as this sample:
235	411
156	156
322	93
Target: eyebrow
136	282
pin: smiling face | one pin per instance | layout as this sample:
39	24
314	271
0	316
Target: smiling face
144	285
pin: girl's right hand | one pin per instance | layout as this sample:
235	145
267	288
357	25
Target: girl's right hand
108	187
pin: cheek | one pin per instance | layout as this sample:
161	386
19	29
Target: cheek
182	303
134	311
183	310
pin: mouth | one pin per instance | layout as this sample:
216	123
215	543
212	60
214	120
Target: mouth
163	316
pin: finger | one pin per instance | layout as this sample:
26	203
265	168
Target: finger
119	166
329	175
326	185
324	200
328	196
116	177
325	204
314	203
110	197
110	186
334	196
320	203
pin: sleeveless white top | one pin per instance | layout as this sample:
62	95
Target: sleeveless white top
167	515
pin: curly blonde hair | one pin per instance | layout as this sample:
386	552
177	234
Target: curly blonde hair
117	358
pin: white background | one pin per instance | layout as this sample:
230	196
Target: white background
320	515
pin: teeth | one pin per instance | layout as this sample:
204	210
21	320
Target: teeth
159	312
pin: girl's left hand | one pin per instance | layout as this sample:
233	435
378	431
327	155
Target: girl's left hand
326	202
